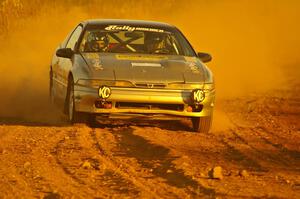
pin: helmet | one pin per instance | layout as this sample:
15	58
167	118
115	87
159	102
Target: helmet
102	40
153	38
155	42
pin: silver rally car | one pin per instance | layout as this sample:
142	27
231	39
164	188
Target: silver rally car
132	69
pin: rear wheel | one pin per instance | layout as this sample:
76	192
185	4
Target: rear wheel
202	124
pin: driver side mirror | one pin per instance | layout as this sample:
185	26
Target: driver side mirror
65	52
204	57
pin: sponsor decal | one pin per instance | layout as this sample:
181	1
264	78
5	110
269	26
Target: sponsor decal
190	59
94	60
104	92
96	63
132	28
194	68
198	95
92	55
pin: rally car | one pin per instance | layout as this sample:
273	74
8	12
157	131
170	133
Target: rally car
132	69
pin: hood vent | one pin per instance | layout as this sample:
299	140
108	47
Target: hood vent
150	85
146	64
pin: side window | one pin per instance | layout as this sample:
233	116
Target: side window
64	43
74	38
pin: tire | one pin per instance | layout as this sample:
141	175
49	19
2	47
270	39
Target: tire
51	89
70	103
202	124
72	115
91	121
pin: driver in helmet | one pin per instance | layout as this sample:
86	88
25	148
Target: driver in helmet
155	43
97	42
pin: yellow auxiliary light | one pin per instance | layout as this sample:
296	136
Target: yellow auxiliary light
104	92
198	95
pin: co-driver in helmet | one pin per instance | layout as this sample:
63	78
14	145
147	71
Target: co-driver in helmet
156	43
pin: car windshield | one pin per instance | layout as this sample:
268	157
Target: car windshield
126	39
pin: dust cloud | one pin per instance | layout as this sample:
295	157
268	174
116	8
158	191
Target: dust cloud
25	57
254	44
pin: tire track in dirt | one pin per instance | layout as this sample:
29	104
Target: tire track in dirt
264	134
123	169
236	151
255	145
262	149
59	150
98	178
264	155
288	158
156	160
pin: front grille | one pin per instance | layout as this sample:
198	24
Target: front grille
150	85
149	106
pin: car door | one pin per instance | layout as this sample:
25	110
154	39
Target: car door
65	64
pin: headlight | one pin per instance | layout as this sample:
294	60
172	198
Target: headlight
104	92
198	95
97	83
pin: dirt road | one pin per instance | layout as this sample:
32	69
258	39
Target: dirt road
259	153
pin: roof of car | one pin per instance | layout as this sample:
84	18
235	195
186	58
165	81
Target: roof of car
127	22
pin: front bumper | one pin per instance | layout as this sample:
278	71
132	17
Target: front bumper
85	99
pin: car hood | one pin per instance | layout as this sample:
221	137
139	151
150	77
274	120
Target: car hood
145	68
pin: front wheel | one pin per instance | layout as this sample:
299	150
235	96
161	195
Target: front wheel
51	89
70	103
73	115
202	124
